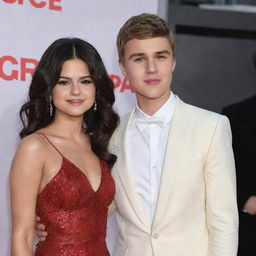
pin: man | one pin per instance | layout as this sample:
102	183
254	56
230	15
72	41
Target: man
175	174
242	117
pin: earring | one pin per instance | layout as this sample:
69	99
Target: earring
50	106
95	106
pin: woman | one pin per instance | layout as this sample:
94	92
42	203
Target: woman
60	171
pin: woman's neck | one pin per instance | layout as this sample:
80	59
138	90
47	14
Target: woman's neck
69	127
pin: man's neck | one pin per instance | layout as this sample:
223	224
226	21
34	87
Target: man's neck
151	106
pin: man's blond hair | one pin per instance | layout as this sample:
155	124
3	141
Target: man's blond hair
143	26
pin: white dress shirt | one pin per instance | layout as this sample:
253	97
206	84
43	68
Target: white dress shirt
147	140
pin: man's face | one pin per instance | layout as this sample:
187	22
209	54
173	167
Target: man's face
148	64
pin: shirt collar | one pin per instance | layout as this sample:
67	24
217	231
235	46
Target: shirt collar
165	112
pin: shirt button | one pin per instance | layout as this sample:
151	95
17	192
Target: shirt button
155	236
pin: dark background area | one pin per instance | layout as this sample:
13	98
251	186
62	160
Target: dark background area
214	55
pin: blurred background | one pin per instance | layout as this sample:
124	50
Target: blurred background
215	43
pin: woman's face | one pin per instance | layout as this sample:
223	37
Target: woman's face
74	92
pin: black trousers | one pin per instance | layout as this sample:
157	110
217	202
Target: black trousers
247	235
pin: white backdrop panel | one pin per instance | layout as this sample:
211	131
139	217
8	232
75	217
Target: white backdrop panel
27	28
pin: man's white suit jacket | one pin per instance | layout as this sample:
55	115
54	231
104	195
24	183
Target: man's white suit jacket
196	212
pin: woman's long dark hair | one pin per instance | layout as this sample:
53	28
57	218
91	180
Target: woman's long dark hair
100	124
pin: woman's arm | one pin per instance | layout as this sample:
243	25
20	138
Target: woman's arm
25	177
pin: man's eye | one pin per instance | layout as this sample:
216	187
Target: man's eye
139	59
63	82
161	57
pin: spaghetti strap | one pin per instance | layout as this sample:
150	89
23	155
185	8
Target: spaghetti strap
43	135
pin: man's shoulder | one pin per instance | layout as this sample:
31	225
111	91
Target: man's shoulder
122	124
125	118
200	114
203	124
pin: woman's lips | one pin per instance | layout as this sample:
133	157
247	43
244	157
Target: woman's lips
75	102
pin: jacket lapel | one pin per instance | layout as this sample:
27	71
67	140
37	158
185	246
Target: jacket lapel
177	136
123	169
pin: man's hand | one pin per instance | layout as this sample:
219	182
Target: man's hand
250	205
40	230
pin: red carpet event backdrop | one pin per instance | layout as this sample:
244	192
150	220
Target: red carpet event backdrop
27	28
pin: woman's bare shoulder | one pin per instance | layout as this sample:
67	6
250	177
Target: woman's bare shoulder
32	153
33	144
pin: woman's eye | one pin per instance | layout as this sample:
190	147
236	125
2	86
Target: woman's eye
63	82
86	81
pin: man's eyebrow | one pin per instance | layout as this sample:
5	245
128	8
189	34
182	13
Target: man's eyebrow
163	52
140	54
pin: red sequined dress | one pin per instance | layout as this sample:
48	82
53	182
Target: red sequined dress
74	214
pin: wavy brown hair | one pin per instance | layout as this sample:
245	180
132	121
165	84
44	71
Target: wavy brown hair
99	124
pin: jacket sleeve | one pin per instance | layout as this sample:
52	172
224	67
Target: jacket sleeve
221	205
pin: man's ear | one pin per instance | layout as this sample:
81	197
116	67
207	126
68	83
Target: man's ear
121	65
173	65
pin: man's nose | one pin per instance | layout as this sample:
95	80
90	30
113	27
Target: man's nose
151	66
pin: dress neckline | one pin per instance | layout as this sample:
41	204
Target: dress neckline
83	174
74	165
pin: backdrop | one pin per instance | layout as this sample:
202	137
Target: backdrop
27	28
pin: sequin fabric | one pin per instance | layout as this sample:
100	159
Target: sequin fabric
74	214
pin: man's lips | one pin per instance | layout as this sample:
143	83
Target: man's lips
75	101
152	81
